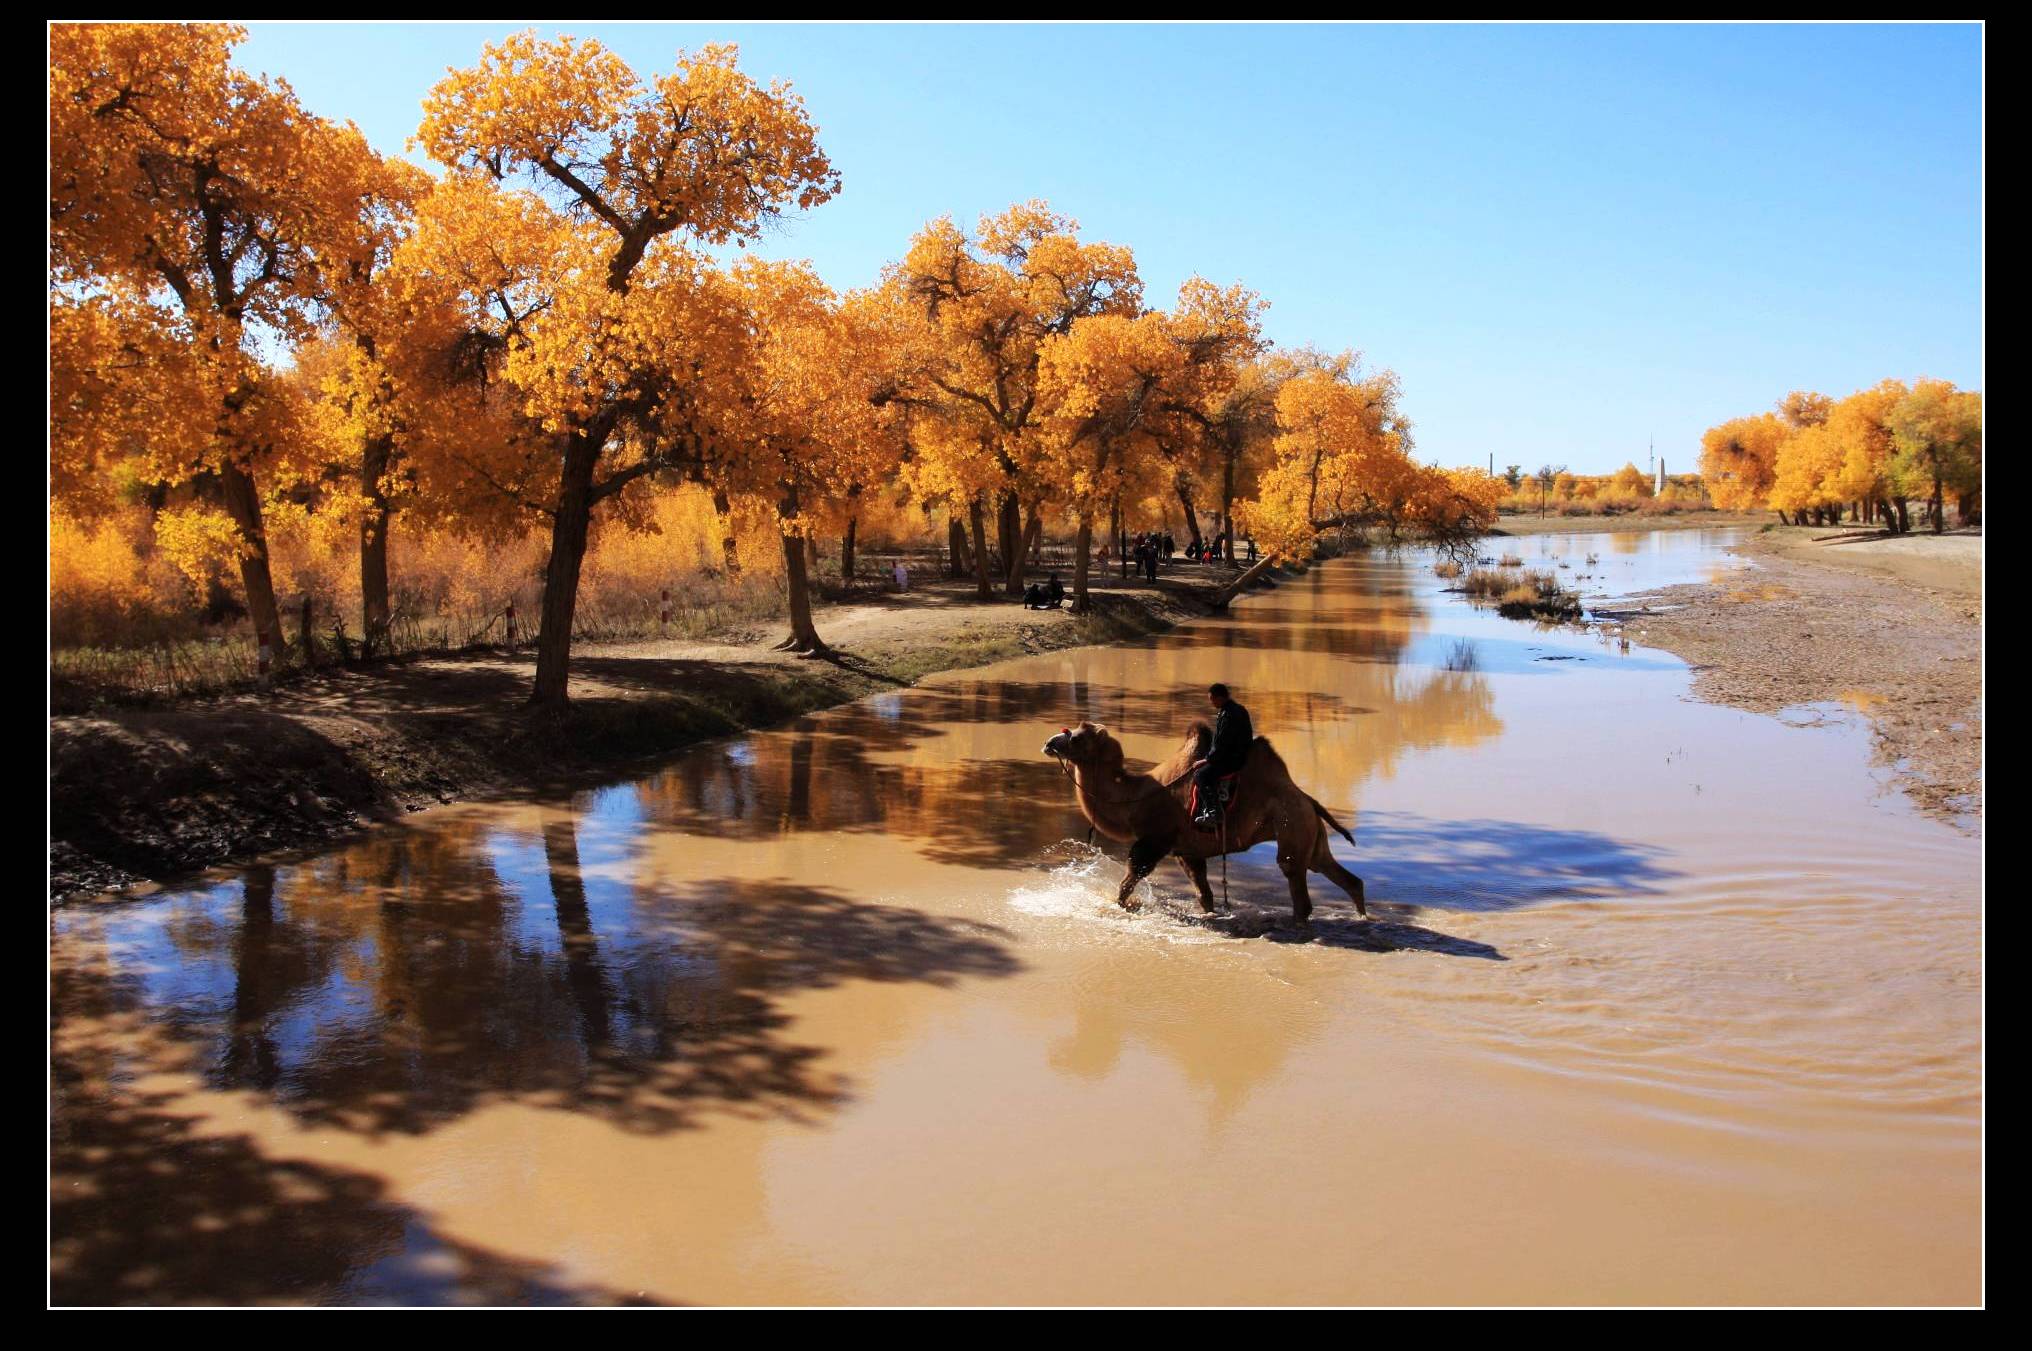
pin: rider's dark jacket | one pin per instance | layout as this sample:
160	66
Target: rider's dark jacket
1233	734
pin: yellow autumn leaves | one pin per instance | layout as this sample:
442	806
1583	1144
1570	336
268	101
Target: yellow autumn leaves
256	317
1868	453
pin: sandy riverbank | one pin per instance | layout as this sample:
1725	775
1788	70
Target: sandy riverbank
140	794
1630	523
1889	627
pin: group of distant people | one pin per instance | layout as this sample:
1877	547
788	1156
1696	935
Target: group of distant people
1148	549
1151	548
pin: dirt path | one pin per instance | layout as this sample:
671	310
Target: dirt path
142	794
1889	627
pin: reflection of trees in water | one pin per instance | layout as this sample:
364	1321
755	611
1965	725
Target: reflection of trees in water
400	983
910	776
587	982
934	766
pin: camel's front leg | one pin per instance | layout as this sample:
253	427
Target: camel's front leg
1143	857
1197	867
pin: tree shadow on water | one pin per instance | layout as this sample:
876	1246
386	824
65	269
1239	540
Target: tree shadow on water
399	985
145	1208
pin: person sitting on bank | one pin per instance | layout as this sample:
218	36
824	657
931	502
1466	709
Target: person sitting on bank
1047	595
1233	735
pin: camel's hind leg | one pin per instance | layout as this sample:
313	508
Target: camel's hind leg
1197	867
1301	898
1329	867
1295	847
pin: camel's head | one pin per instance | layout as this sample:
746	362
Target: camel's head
1087	745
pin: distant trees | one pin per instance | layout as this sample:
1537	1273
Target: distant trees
1869	453
1343	462
1937	436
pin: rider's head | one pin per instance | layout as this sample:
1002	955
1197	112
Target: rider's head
1217	694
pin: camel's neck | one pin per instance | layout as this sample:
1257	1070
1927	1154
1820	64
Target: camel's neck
1106	798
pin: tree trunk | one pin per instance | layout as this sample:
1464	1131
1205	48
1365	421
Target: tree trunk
803	633
975	518
1227	593
1009	533
243	504
561	575
798	551
1228	508
1904	517
1191	516
374	610
955	546
1033	535
1083	552
306	632
730	549
847	549
1939	501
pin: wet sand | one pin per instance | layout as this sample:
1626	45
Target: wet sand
1664	1002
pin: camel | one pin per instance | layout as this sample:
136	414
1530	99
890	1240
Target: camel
1149	813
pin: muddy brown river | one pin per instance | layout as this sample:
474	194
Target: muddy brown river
1662	1002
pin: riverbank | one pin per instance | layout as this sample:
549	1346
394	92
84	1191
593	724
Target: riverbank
141	795
1629	523
1887	627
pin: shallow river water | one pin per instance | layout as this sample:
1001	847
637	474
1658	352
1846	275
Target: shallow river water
1662	1002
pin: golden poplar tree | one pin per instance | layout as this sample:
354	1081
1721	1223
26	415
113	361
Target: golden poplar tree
620	366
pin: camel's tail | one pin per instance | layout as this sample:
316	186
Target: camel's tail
1327	817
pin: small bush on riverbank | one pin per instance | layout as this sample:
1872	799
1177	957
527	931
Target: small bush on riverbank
1447	568
1486	583
1538	595
1535	594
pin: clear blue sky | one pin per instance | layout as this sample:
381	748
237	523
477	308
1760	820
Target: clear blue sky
1566	240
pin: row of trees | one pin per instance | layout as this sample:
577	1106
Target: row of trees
255	313
1871	453
1555	487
